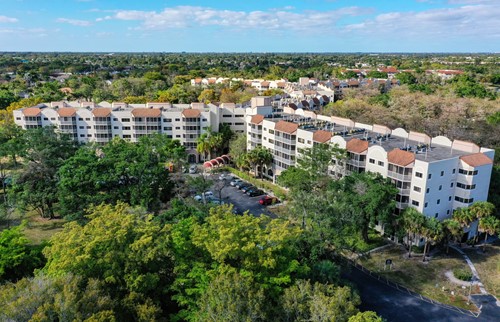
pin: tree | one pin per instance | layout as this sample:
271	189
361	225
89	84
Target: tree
368	198
452	230
413	221
463	216
11	141
488	225
317	302
207	96
481	209
238	151
259	156
123	248
200	184
317	160
36	185
231	296
55	298
367	316
406	78
432	231
6	98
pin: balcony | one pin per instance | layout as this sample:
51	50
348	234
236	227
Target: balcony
399	176
357	163
405	192
401	205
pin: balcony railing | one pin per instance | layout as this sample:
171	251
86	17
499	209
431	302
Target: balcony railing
357	163
399	176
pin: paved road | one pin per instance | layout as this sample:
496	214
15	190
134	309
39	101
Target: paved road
396	306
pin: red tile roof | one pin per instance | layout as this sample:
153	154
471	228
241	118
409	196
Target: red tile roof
257	119
66	112
476	159
400	157
146	112
31	111
287	127
293	105
322	136
189	112
101	112
356	145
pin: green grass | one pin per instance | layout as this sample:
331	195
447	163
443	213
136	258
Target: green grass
40	229
358	245
427	278
488	266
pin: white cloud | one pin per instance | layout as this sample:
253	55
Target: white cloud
75	22
274	19
472	20
4	19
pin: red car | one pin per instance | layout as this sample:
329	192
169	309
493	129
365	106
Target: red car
268	200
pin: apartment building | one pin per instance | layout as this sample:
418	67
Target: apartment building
91	122
434	175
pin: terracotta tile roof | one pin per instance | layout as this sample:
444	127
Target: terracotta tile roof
31	111
293	105
66	112
322	136
281	84
189	112
265	83
101	112
326	99
212	81
353	83
356	145
476	159
287	127
309	92
316	101
257	119
400	157
146	112
197	80
305	103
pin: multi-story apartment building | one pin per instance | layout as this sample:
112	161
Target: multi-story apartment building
90	122
434	175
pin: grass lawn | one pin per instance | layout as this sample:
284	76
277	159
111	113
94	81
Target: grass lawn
488	266
40	229
427	279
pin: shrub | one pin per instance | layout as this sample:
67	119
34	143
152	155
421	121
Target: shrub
462	274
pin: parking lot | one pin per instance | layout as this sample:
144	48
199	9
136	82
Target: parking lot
241	201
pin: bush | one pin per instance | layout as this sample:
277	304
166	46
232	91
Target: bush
462	274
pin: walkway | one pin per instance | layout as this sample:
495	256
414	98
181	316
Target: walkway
475	278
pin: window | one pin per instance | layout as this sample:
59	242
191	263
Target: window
177	127
436	215
115	127
448	211
226	115
82	135
467	173
167	120
177	120
88	127
372	161
415	203
453	171
427	190
125	120
82	127
126	136
87	119
451	185
426	204
429	176
466	186
418	174
52	118
308	141
417	189
464	200
442	173
239	115
115	119
438	201
380	163
301	140
80	119
440	187
167	128
239	123
449	198
178	136
271	131
204	120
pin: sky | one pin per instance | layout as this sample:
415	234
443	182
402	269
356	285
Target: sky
250	26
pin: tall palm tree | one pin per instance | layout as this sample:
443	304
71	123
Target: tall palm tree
481	209
488	225
413	221
452	230
464	217
432	231
203	146
259	156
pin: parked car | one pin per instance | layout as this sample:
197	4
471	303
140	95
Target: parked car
193	169
255	192
226	176
209	195
242	185
235	182
248	188
268	200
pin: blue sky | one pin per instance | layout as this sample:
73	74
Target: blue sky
250	26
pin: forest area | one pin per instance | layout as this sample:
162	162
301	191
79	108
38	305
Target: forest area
133	247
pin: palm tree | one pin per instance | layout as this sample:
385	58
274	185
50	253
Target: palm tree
259	156
432	231
452	230
464	217
203	146
481	209
413	221
488	225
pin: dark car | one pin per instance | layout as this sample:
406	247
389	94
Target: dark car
248	188
268	200
255	192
